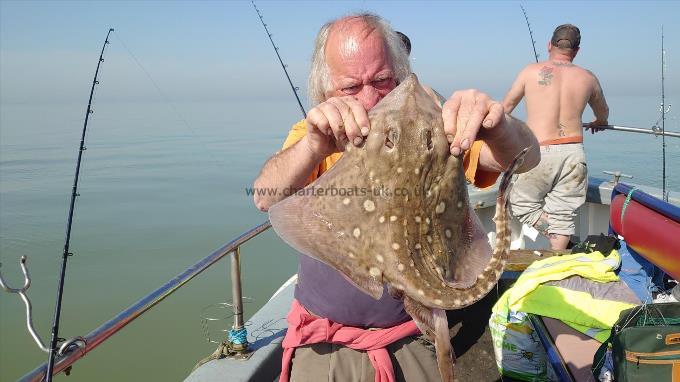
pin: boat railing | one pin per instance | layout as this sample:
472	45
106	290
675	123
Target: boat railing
115	324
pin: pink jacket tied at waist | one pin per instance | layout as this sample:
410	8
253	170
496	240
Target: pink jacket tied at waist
306	329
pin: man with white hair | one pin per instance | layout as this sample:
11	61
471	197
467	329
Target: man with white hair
357	61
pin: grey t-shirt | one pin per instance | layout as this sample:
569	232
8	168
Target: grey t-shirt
326	293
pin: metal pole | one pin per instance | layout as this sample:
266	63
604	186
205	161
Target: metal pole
638	130
236	293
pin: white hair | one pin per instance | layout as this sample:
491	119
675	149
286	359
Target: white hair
319	81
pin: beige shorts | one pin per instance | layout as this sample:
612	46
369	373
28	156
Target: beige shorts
413	359
557	186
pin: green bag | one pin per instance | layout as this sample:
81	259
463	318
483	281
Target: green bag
644	345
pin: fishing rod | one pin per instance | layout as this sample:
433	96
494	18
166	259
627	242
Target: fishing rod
663	116
653	131
531	33
284	66
74	193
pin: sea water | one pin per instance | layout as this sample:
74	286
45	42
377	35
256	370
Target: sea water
162	185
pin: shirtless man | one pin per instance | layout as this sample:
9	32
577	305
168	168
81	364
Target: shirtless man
556	92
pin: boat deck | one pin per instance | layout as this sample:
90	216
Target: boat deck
471	340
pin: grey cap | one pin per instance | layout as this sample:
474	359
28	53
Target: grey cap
405	40
566	36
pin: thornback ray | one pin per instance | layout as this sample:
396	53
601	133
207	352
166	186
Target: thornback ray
395	211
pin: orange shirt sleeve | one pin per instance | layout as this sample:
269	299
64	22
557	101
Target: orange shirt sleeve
474	175
296	133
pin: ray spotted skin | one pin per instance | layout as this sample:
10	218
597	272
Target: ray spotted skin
395	211
431	320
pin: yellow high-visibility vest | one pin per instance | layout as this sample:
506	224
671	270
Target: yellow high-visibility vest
586	304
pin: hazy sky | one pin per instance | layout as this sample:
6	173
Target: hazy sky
217	50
